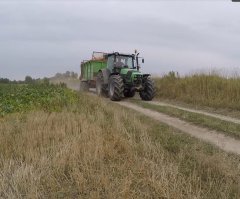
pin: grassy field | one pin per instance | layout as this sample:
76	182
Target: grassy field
95	149
200	89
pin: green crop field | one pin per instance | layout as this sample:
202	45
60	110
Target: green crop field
20	98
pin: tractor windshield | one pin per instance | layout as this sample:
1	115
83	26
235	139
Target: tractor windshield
120	61
124	61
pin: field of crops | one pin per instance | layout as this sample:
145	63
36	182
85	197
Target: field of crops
21	98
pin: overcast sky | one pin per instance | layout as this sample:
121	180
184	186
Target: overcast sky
40	38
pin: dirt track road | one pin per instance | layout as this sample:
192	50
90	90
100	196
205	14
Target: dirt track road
221	117
216	138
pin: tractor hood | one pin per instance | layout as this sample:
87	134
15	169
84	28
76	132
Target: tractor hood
132	76
127	71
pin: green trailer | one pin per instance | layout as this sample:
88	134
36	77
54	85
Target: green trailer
116	75
89	71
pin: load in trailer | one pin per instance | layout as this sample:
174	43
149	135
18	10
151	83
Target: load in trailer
116	75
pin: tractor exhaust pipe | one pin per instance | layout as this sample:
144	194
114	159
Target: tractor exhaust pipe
137	62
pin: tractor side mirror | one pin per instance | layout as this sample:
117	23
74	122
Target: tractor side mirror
143	61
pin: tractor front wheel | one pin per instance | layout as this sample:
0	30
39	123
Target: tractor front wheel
149	90
115	90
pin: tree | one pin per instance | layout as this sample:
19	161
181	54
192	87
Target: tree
67	74
74	75
4	80
28	79
58	75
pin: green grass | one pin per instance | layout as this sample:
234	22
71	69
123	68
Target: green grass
229	128
204	90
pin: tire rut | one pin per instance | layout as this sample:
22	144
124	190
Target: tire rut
216	138
218	116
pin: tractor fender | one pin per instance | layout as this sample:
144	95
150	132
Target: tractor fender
106	73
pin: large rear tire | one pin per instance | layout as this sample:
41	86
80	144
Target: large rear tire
100	87
84	86
149	90
115	90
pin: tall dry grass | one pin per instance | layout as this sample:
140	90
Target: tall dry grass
201	89
99	150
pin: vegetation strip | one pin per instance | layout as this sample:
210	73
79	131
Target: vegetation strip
210	90
212	123
226	143
214	115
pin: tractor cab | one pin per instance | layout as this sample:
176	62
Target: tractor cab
116	61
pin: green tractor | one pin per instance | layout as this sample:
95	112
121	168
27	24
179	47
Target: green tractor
115	75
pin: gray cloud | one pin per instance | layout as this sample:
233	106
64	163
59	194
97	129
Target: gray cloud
41	38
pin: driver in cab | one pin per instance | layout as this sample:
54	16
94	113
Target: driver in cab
119	62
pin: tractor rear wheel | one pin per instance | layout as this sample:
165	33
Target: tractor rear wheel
129	93
115	90
84	86
149	90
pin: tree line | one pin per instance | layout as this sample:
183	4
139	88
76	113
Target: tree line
29	80
67	74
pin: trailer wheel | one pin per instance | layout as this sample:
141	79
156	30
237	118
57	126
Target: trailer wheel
84	86
100	87
149	90
116	87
